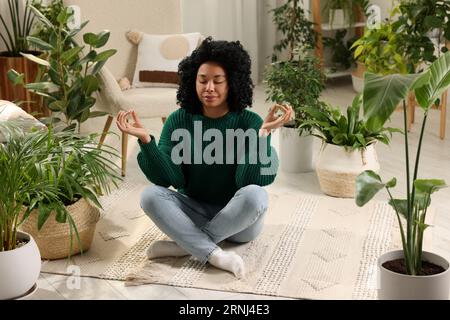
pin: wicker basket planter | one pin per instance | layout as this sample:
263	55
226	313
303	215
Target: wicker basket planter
53	240
338	168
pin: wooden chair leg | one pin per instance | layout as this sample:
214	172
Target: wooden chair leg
124	152
105	130
163	119
443	114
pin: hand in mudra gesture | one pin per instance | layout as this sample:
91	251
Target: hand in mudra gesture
272	121
134	128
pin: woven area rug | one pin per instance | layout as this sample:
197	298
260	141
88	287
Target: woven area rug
312	247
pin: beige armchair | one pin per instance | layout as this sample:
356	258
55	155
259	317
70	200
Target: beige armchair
118	16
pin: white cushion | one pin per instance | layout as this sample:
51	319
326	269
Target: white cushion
151	102
11	112
158	58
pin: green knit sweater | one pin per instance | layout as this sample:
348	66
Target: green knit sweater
215	182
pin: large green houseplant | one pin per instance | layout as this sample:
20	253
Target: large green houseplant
381	96
68	166
298	83
69	78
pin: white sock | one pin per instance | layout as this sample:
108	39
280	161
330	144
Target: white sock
165	248
229	261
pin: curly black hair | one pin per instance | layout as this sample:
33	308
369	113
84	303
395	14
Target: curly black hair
233	58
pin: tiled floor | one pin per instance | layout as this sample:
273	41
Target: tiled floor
435	163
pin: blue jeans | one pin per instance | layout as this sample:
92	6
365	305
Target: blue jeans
198	227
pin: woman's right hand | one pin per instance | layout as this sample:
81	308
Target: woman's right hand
134	128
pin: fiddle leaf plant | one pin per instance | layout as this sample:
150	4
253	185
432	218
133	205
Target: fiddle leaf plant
380	97
69	79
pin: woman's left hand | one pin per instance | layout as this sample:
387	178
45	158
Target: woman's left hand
272	122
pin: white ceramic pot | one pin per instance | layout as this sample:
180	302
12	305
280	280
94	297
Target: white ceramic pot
338	168
396	286
337	17
296	152
358	83
19	268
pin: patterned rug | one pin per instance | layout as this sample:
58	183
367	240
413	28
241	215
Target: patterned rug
312	247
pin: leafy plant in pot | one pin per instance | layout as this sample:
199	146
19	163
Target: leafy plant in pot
70	78
15	26
21	182
297	82
381	96
78	172
347	146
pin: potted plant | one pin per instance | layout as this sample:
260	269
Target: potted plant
15	26
347	146
297	82
342	55
410	273
87	173
380	51
22	182
340	12
69	78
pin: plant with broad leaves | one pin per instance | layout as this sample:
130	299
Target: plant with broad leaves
69	79
349	131
47	170
382	94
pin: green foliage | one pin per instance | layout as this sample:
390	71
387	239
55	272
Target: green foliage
342	56
297	30
415	20
348	130
15	35
298	83
69	79
47	170
428	86
381	50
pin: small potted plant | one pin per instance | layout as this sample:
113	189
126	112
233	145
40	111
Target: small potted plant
410	273
298	83
340	12
347	148
379	51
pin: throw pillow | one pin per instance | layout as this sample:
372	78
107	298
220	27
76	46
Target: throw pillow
11	112
159	55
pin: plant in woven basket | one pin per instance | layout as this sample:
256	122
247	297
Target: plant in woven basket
47	170
347	130
382	94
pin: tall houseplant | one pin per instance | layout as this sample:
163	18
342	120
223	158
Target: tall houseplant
16	24
381	96
297	82
70	77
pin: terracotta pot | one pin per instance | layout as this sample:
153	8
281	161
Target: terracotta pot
33	102
19	268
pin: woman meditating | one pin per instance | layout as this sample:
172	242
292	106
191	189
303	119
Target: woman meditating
217	155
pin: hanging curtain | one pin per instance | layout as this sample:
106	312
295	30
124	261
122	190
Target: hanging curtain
248	21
